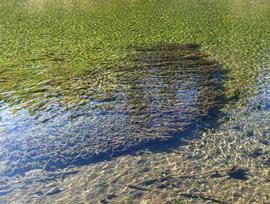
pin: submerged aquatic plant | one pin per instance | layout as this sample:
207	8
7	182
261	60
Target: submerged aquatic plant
163	93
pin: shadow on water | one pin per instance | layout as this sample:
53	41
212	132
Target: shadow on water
165	95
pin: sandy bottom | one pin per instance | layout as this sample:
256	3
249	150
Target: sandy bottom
226	165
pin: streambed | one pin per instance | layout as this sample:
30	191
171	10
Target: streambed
124	101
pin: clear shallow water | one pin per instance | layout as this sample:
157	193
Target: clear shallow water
74	86
169	90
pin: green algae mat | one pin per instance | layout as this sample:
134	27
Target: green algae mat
86	82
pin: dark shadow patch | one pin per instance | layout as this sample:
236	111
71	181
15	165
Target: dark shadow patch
238	173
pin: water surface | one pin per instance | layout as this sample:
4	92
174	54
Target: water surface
166	94
81	81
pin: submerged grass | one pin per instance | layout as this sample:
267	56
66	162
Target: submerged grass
56	54
166	94
61	40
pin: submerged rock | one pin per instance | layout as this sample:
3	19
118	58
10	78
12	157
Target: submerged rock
164	93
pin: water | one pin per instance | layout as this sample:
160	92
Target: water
140	101
169	90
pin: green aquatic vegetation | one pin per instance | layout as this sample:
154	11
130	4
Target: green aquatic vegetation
62	40
167	92
88	79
